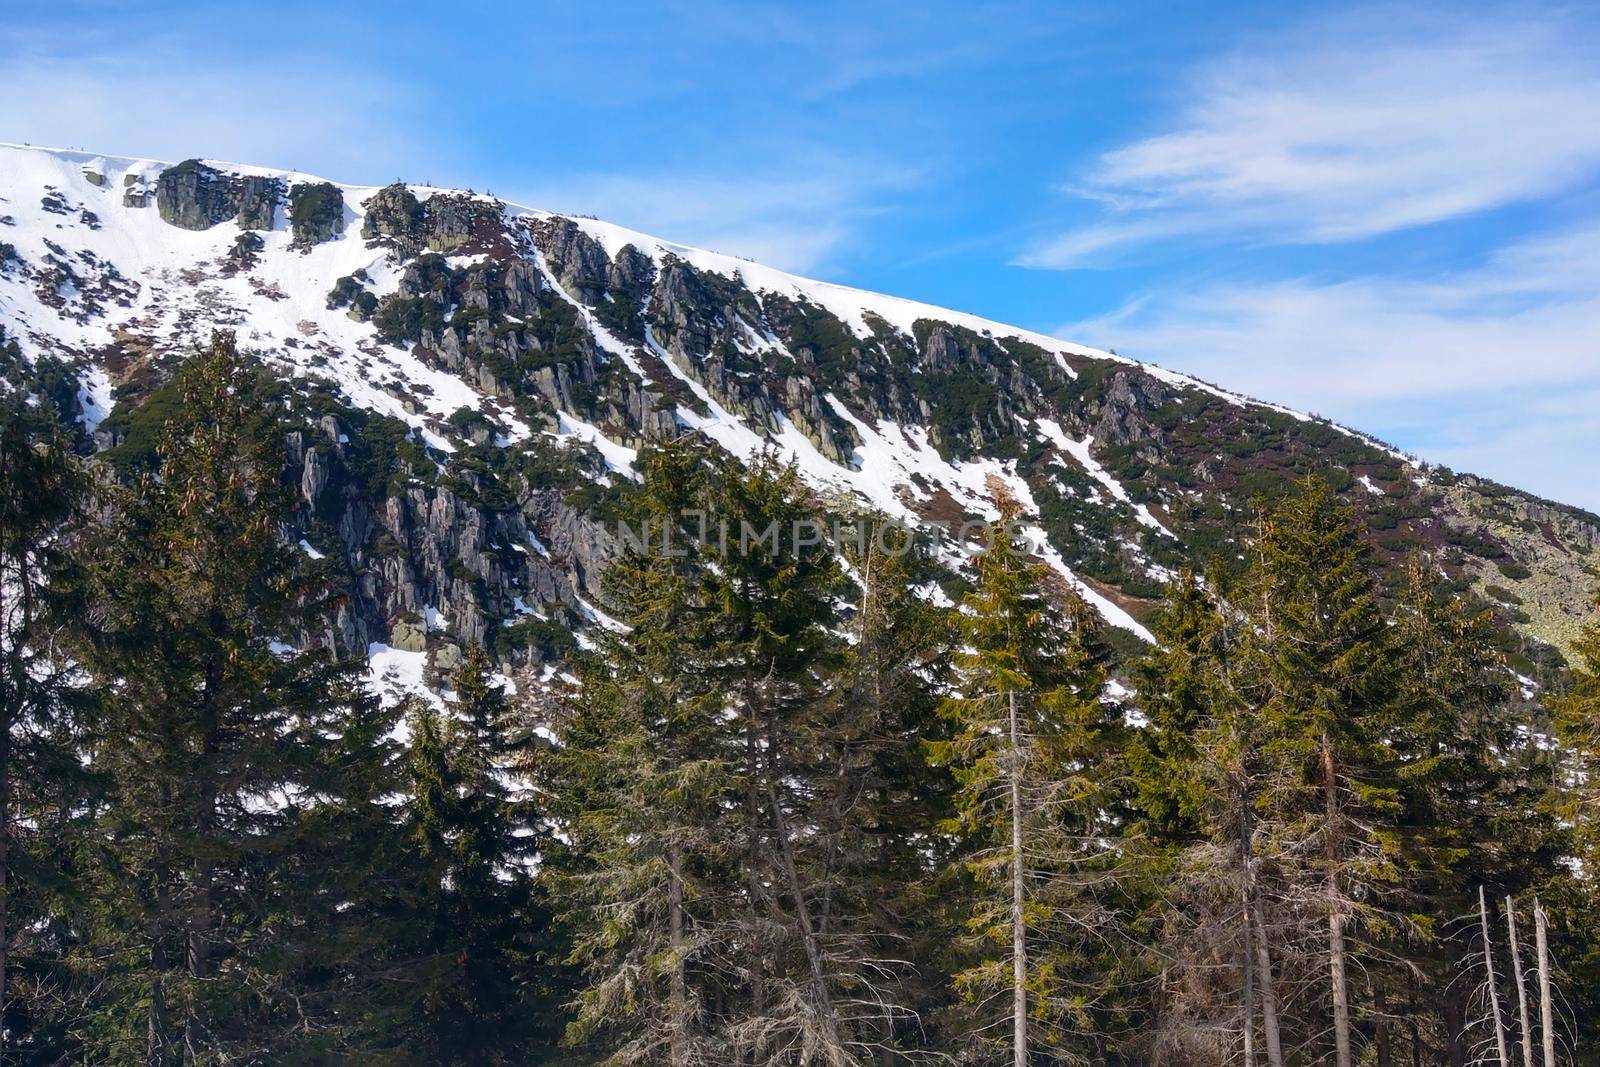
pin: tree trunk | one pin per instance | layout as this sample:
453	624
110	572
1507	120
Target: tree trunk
1335	902
1019	939
1547	1013
157	1030
5	861
1383	1044
679	1037
1522	987
1489	977
802	907
758	977
1269	993
1249	940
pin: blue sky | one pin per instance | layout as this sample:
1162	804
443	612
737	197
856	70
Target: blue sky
1389	216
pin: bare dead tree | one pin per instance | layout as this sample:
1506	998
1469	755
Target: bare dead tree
1522	988
1547	1013
1490	982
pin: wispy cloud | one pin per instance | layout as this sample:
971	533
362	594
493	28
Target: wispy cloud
1347	131
1495	368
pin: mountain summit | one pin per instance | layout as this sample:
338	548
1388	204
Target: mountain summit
473	379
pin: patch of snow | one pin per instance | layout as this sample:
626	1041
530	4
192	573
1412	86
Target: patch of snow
1051	430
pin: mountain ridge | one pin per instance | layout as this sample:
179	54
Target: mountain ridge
495	332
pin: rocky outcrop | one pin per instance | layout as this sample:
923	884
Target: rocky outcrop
1123	417
316	213
257	200
395	216
441	547
577	260
245	252
446	223
193	196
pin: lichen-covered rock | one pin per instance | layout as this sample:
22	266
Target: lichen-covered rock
1124	417
193	196
408	635
135	191
316	213
394	214
245	252
578	260
453	221
257	199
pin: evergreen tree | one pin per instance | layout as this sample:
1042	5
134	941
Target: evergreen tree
41	489
478	985
1469	781
1326	668
1577	717
227	753
644	777
1200	780
1030	756
884	797
817	991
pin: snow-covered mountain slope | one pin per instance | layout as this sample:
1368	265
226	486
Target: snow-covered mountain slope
526	355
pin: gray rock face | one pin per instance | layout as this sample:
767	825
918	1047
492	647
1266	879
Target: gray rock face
193	196
258	201
446	223
452	222
394	214
316	213
577	260
245	251
1124	416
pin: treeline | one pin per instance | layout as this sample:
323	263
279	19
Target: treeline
795	808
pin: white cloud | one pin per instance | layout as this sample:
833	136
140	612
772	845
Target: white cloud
1494	368
1348	131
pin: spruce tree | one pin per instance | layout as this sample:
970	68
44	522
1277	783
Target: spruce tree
1469	780
1029	753
816	988
478	980
884	796
1200	781
222	747
1577	718
41	488
1326	665
643	778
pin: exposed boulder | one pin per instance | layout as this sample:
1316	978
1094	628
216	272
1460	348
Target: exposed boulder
394	214
577	260
245	252
452	221
1124	415
193	196
258	199
316	213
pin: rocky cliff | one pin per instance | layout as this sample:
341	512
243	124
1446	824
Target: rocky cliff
468	381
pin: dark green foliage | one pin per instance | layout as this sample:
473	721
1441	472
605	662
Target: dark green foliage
316	213
402	320
220	762
475	925
41	779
